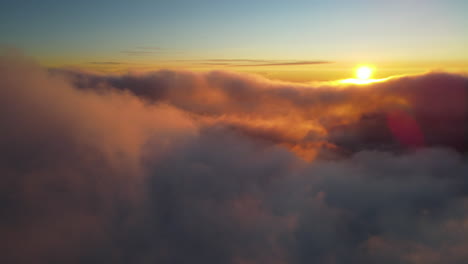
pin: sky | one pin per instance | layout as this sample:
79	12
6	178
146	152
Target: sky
402	36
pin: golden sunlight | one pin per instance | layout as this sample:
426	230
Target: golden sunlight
363	76
364	72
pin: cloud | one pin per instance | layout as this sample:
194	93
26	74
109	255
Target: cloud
256	63
148	48
142	50
219	167
287	63
137	52
401	113
105	62
70	162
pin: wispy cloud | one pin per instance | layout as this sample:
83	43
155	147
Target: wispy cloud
142	50
137	52
290	63
257	63
148	48
235	60
105	62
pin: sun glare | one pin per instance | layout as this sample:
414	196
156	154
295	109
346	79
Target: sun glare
363	75
364	72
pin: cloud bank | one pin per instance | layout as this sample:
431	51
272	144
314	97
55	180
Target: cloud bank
181	167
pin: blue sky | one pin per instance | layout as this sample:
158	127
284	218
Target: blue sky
325	30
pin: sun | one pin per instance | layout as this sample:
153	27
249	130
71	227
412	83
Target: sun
363	75
364	72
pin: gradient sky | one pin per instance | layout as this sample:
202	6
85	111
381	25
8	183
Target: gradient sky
187	33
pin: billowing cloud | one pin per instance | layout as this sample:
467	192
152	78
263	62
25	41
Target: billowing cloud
178	167
401	113
70	162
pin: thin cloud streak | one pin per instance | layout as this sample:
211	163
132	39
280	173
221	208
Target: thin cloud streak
148	48
254	63
137	52
106	62
288	63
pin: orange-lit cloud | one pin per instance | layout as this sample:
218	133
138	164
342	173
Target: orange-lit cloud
302	114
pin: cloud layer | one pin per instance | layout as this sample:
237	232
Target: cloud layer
399	114
179	167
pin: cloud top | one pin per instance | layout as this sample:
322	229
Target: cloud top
219	167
